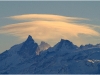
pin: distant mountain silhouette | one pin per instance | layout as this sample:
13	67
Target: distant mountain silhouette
63	58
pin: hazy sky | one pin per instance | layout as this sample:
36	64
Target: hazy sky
78	21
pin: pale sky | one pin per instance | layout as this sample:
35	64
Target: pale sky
49	21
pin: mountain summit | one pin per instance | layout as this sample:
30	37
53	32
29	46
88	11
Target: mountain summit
63	58
65	42
65	45
29	39
28	48
44	46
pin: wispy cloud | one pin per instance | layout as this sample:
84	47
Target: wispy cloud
48	27
45	17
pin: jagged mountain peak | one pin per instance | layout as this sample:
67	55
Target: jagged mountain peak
44	46
65	42
25	59
89	46
28	48
29	38
42	42
65	45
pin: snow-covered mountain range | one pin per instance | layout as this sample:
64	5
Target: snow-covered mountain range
63	58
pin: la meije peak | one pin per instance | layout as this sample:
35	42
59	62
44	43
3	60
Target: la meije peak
63	58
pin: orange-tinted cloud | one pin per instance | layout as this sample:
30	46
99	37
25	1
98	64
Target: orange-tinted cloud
49	17
48	27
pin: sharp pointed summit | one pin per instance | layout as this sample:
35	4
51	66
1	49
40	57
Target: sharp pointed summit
31	58
28	48
29	38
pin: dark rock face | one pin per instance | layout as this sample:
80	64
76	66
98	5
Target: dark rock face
28	48
63	58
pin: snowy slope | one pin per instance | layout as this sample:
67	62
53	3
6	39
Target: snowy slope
63	58
17	54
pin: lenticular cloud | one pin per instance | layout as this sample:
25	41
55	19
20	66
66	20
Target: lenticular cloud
47	27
